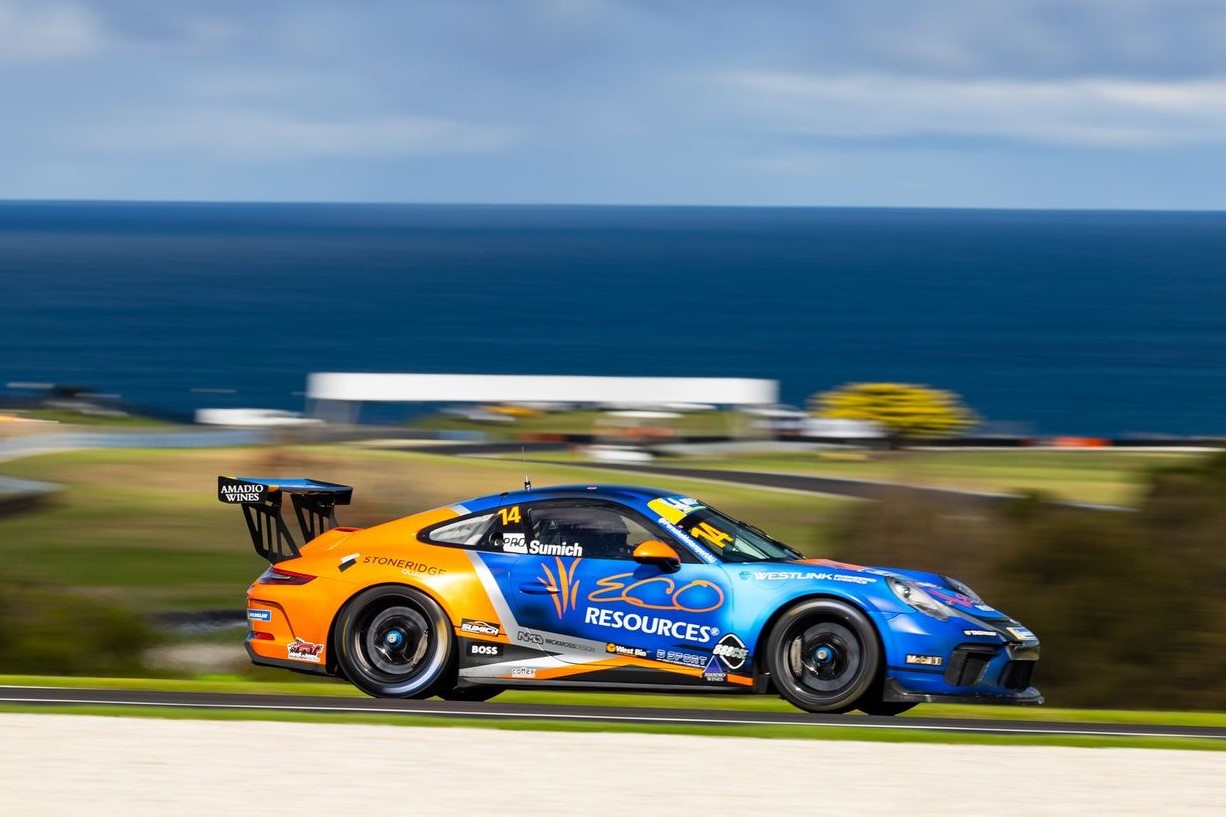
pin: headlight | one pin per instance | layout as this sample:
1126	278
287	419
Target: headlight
962	588
913	596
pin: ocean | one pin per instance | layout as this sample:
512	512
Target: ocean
1092	323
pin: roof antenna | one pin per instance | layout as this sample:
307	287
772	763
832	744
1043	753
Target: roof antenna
523	459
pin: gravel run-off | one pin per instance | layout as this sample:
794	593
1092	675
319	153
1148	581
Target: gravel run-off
72	764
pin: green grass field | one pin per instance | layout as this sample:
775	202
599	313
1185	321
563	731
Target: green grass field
145	525
1100	475
851	730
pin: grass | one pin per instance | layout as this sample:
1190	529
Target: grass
1100	476
699	423
748	704
145	525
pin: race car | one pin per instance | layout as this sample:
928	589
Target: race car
608	587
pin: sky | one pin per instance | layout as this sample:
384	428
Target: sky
928	103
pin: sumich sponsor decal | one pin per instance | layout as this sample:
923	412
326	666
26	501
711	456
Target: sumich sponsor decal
470	625
516	543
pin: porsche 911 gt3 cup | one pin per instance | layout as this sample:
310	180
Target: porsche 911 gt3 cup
608	586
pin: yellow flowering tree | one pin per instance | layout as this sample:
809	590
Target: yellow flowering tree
906	411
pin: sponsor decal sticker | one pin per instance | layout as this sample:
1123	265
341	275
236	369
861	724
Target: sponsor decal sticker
407	566
732	651
713	671
348	562
470	625
685	659
1020	633
925	660
254	614
305	651
981	633
649	625
485	649
788	575
659	593
674	508
632	652
564	586
546	640
516	543
523	672
236	491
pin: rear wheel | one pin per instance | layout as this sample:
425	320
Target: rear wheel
823	656
394	642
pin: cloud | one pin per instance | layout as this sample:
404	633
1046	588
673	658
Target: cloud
261	135
43	32
1088	112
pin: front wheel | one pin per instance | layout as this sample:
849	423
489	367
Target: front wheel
394	642
823	656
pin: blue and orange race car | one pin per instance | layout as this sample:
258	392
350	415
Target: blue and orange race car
608	586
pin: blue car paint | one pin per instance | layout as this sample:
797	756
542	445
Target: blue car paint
675	615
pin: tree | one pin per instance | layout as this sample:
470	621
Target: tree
906	411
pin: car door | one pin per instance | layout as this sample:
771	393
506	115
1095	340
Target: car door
585	600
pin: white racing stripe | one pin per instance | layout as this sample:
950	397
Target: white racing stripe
524	636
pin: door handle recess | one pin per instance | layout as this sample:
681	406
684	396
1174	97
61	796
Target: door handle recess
537	589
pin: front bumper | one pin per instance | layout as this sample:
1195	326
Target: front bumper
960	660
894	691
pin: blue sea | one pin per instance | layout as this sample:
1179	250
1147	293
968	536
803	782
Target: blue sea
1097	323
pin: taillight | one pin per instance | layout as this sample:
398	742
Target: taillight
279	575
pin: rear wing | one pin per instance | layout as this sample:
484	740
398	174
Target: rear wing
260	497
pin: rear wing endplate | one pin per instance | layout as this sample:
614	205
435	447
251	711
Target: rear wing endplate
314	503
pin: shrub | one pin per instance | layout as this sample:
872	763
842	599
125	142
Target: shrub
51	630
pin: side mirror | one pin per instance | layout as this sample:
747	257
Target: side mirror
659	554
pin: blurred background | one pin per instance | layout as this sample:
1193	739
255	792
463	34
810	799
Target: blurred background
962	262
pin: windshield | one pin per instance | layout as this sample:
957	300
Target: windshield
733	541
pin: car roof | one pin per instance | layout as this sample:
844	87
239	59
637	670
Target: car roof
633	495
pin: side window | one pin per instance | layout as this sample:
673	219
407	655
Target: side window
500	531
467	532
591	531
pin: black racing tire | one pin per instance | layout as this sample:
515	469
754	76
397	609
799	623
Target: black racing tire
887	708
823	656
481	693
395	642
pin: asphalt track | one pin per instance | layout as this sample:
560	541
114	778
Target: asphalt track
59	697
